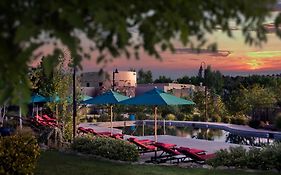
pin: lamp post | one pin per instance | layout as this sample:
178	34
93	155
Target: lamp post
113	78
74	102
203	69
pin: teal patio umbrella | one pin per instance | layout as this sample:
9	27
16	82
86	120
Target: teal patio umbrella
110	97
85	97
36	98
156	97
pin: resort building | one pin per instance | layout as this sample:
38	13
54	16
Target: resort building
94	83
179	90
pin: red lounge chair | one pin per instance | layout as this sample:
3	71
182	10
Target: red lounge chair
193	150
46	117
169	153
101	134
42	122
117	136
143	147
199	158
82	130
144	141
104	134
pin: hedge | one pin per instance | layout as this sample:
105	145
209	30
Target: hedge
18	154
265	158
106	147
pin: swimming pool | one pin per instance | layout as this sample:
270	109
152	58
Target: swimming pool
199	130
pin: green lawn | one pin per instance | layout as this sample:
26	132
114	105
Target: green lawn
52	162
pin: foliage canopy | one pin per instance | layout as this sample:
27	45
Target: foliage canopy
115	28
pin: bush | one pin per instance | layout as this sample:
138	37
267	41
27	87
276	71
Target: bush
141	116
254	123
216	118
104	118
196	117
252	157
277	121
82	144
180	116
106	147
222	159
238	156
239	119
266	158
170	117
226	119
18	154
188	117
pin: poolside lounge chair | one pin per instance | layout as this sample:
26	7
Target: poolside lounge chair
82	130
46	117
144	146
195	156
104	134
39	121
169	153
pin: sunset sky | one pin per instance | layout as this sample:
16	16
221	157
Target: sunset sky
242	60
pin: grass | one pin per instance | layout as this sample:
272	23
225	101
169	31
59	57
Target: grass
52	162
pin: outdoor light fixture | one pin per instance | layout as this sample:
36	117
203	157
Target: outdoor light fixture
203	69
113	78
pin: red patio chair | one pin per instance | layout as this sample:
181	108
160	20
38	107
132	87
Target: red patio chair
199	158
82	130
143	146
46	117
169	153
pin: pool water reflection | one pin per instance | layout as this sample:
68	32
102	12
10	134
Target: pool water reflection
195	133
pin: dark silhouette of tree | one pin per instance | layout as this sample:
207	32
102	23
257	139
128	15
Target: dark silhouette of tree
163	79
144	77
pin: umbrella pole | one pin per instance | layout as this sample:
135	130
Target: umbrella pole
111	116
37	110
155	131
155	123
20	117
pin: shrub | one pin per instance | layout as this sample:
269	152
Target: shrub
196	117
266	158
252	157
238	156
277	121
170	117
188	117
82	144
106	147
234	156
216	118
141	116
18	154
180	116
222	159
254	123
103	118
226	119
239	119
